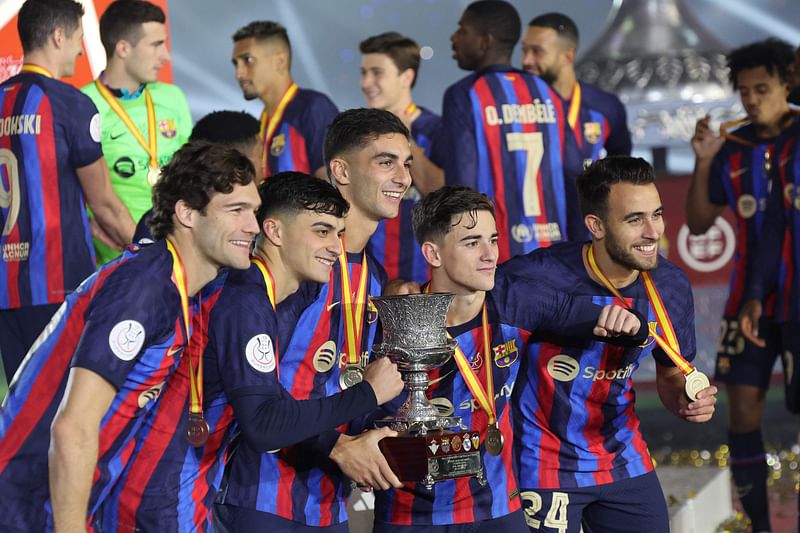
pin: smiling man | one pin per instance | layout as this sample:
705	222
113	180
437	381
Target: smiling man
96	371
294	120
737	169
143	120
574	396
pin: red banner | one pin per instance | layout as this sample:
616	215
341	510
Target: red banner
87	67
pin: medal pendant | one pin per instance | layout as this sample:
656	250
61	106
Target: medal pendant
153	175
351	375
494	440
197	430
695	382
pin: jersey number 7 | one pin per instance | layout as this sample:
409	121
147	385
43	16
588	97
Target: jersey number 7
533	146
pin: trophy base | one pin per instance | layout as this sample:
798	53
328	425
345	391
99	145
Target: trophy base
435	456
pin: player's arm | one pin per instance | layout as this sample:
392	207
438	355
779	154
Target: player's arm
671	389
110	213
460	166
700	211
619	138
74	438
762	274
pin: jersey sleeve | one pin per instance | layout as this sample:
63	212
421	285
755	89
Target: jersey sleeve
716	187
83	133
619	138
460	167
317	118
125	317
184	116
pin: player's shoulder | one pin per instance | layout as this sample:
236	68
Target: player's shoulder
669	278
426	120
552	261
743	131
599	99
161	89
312	97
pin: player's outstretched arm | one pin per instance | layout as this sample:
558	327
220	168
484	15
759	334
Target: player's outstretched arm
110	213
361	459
700	212
74	438
615	321
671	389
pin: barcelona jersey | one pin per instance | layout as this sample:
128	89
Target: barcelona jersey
123	323
600	122
574	419
393	243
508	138
48	129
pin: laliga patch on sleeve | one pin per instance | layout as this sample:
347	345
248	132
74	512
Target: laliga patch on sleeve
94	128
126	339
260	354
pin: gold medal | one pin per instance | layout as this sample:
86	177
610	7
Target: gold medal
494	440
695	382
153	175
351	375
197	430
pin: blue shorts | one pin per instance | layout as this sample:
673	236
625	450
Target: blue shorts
510	523
19	328
629	506
740	362
233	519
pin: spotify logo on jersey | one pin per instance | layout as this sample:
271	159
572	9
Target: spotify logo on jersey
563	368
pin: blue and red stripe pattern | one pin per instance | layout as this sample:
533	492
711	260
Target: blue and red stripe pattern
300	136
739	179
46	133
393	243
507	135
290	483
574	418
137	287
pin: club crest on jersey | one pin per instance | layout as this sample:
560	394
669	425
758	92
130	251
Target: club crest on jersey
278	145
506	354
167	128
260	353
126	339
372	312
592	132
653	328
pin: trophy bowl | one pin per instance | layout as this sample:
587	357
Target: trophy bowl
415	339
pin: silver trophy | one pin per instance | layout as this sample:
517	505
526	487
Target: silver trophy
430	447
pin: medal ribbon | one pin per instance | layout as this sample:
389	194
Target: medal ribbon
270	283
574	106
484	396
150	146
411	109
670	345
353	312
270	124
36	69
195	381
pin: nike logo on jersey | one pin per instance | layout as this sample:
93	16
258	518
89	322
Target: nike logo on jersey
115	137
737	173
331	306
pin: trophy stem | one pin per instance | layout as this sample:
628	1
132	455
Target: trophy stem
417	407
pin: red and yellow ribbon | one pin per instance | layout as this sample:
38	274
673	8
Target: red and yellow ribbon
670	345
574	106
151	144
270	123
269	281
36	69
353	310
484	396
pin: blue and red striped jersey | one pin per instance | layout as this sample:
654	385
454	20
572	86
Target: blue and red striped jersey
740	179
508	138
601	127
48	129
300	135
574	418
393	243
516	308
124	323
778	249
292	483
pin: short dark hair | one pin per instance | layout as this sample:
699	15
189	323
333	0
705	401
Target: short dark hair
230	128
499	19
263	30
595	182
194	174
295	191
432	217
562	24
355	128
123	20
38	19
775	55
403	51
